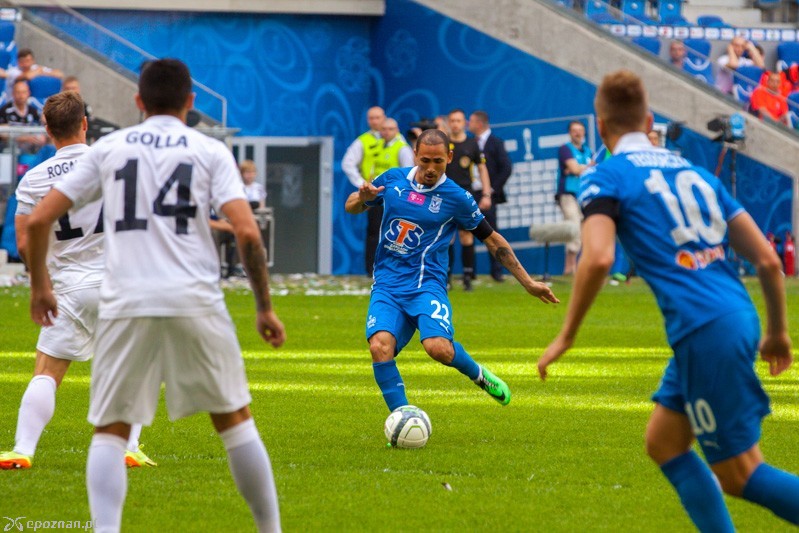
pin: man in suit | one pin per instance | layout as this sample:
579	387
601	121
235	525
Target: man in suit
499	170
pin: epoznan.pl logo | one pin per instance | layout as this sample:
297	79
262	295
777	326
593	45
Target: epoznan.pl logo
20	524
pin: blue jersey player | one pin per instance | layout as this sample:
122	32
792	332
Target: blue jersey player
676	222
422	211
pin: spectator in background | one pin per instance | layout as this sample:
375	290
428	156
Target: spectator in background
255	192
412	135
736	56
654	138
18	112
442	123
71	83
466	154
26	69
573	158
789	80
396	151
222	229
677	54
358	164
499	169
767	102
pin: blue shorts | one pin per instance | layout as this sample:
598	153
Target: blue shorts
712	380
429	311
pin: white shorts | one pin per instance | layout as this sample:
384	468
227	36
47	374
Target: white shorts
71	336
571	213
197	358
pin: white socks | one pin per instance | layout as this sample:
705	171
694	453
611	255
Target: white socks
133	439
106	481
35	411
252	472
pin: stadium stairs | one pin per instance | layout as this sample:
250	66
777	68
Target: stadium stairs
108	87
561	37
103	85
735	12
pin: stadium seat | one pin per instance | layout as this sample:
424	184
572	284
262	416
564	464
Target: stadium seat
787	55
697	60
604	18
565	3
745	79
768	4
635	12
596	7
675	20
669	10
711	21
43	87
5	59
635	8
650	44
7	31
793	109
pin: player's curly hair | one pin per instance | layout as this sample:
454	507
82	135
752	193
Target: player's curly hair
621	102
63	114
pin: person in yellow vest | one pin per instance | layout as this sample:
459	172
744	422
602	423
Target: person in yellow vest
396	150
360	165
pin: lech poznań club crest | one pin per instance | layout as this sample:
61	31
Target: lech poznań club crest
435	204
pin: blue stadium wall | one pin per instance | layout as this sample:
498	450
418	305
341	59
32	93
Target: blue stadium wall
313	75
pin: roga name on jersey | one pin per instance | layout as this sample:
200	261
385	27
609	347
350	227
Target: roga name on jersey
403	236
155	141
59	169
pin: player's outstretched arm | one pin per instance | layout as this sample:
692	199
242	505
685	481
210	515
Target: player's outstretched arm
366	193
501	250
39	224
253	257
599	237
749	242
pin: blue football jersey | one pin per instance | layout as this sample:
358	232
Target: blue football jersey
417	226
672	223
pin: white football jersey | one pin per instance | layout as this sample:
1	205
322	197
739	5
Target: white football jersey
75	257
158	182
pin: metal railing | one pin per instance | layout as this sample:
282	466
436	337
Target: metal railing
116	49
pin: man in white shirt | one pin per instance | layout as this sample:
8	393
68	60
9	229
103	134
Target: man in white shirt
735	58
162	315
360	165
27	69
75	263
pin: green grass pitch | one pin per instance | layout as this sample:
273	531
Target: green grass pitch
565	455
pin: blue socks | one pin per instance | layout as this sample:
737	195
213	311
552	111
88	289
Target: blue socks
390	382
775	490
699	492
701	497
464	362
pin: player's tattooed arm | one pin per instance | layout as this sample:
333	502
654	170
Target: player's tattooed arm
506	257
501	250
253	256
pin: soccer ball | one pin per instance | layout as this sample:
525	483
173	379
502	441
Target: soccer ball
408	427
